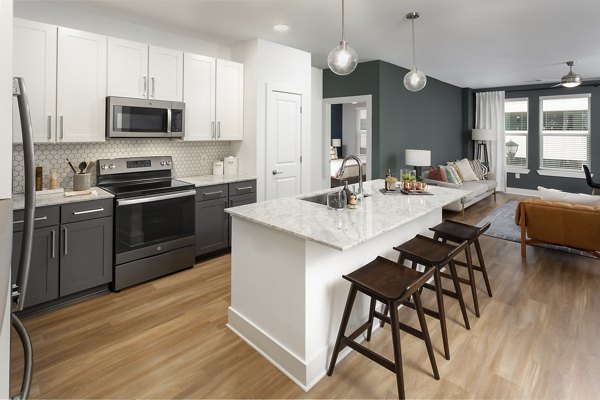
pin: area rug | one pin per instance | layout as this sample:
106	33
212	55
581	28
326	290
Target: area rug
504	227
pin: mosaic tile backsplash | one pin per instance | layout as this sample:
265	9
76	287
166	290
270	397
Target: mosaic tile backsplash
189	158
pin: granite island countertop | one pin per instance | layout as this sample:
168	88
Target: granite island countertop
344	229
59	198
208	180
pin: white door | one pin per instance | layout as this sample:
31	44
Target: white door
199	97
230	100
127	68
34	59
165	70
81	86
283	144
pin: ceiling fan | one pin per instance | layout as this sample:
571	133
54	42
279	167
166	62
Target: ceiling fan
571	79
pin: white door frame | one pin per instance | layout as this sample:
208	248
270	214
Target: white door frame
327	103
274	87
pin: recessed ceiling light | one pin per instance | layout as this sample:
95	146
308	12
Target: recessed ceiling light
281	27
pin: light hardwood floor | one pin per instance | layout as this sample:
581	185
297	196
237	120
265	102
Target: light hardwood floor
536	338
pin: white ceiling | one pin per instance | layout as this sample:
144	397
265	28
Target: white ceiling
468	43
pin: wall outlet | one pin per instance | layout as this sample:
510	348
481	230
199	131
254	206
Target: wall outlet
517	176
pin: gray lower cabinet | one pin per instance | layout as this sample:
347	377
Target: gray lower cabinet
212	228
72	249
241	193
86	255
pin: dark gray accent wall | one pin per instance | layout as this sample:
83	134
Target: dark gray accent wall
431	119
532	180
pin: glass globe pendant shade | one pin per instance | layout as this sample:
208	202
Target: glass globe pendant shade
342	60
415	80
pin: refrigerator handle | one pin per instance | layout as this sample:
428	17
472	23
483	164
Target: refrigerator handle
27	354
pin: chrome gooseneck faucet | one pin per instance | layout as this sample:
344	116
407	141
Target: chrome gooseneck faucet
359	194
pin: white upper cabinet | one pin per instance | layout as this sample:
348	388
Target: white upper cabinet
34	59
165	70
199	96
127	68
81	86
230	100
213	95
145	72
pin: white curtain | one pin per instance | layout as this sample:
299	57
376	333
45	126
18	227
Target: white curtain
489	114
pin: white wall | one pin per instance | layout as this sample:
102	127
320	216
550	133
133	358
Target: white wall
281	66
6	10
64	16
319	177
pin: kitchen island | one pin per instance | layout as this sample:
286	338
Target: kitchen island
287	260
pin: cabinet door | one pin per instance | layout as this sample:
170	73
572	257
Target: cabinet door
81	86
230	100
127	69
212	226
42	284
165	70
199	97
240	200
34	59
86	255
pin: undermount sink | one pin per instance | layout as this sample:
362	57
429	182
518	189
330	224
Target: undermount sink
322	198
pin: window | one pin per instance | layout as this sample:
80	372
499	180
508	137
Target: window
515	131
565	132
361	129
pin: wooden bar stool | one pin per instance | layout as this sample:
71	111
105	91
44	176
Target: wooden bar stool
435	255
457	232
383	280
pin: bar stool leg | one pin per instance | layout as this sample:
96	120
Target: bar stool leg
461	300
371	312
426	337
482	265
440	304
343	325
472	278
397	349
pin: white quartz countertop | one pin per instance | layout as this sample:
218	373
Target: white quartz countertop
59	198
207	180
346	228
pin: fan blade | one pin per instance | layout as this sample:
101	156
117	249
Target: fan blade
557	85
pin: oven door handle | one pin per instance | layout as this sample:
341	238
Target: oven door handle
141	200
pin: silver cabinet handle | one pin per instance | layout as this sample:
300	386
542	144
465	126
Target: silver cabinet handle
145	87
62	127
212	193
246	187
275	172
153	87
35	219
88	211
66	240
53	243
212	129
219	130
49	127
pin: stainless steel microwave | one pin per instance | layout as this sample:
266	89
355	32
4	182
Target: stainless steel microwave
141	118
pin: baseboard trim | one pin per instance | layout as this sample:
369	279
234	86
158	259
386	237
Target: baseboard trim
524	192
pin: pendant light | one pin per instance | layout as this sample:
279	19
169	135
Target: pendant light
343	59
414	80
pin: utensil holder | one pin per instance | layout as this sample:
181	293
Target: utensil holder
81	182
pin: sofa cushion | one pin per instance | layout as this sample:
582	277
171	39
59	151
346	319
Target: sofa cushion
479	169
476	188
437	174
453	175
466	172
575	198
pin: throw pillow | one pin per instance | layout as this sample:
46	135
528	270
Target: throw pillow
575	198
467	173
479	169
456	168
452	175
437	174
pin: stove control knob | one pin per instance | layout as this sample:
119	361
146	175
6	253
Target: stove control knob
111	166
104	166
163	163
168	162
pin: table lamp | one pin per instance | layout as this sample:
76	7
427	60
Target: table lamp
335	143
482	136
417	159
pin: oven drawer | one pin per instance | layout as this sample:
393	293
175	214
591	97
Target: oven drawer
44	216
242	187
211	192
84	210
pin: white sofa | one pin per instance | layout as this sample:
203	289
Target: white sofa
479	191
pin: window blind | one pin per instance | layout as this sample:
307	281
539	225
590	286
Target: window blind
565	136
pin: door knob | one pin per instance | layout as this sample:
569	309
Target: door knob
275	172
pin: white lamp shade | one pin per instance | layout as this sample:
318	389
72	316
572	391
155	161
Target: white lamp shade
483	134
418	158
336	142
